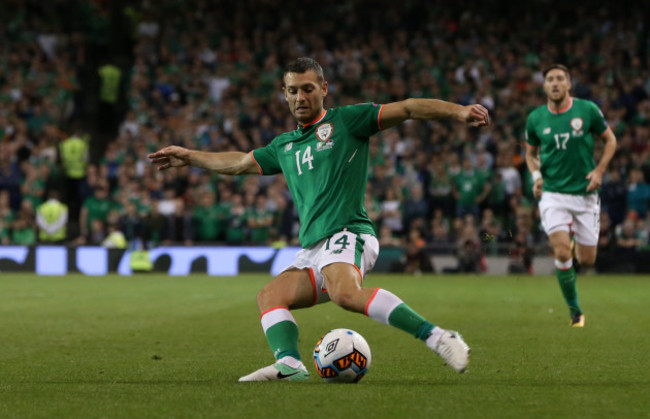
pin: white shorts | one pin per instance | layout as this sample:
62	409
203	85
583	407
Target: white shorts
577	213
360	250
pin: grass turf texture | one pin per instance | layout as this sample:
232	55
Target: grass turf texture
155	346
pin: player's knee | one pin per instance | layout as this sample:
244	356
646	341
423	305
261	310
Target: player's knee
563	253
268	297
587	260
344	299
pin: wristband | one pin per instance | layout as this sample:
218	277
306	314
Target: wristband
536	175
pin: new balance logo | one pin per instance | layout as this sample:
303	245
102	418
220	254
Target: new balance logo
337	251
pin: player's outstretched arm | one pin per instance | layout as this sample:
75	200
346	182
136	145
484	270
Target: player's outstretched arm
432	109
226	163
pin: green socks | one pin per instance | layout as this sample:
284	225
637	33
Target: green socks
387	308
404	318
566	277
281	332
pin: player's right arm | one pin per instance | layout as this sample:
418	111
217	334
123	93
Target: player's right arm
226	163
532	158
533	163
432	109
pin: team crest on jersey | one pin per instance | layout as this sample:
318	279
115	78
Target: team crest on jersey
288	147
577	124
324	131
547	130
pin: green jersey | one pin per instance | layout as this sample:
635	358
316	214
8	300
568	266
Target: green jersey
470	185
325	164
566	144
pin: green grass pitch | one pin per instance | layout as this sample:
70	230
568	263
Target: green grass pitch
153	346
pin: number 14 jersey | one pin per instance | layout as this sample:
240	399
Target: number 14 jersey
325	164
566	144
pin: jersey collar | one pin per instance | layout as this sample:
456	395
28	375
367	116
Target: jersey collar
315	121
561	110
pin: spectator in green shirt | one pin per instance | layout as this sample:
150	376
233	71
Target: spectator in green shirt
259	220
208	219
95	207
470	189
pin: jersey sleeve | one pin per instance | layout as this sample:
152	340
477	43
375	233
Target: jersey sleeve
598	122
362	120
266	159
531	136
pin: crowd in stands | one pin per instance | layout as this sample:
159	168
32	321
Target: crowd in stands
209	77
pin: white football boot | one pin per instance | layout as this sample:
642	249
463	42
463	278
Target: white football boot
451	347
278	372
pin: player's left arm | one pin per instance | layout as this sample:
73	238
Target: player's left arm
395	113
596	176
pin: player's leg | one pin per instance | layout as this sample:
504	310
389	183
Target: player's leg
586	255
292	289
586	227
555	210
343	280
566	275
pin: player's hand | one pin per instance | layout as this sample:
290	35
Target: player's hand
537	188
595	180
475	115
172	156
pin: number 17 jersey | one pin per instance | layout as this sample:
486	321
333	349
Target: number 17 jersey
325	164
566	144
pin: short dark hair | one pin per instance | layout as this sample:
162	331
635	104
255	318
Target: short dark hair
556	66
304	64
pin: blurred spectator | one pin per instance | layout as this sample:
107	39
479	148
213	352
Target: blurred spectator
440	190
439	233
416	208
628	238
470	189
23	230
236	221
96	207
490	231
391	211
259	219
73	153
469	258
109	94
115	239
387	238
417	258
179	225
614	196
95	235
638	193
208	219
131	224
7	214
606	236
155	226
52	219
521	256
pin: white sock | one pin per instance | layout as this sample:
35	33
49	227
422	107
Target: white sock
563	266
381	304
434	337
291	362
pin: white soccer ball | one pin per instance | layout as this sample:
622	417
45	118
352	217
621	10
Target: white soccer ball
342	356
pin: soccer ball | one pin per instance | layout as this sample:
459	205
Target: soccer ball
342	356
